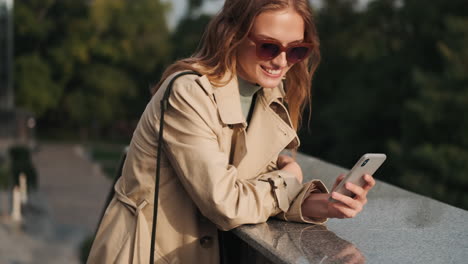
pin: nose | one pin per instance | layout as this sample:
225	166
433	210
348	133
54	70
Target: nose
280	60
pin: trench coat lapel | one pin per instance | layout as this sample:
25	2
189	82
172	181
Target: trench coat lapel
267	135
227	99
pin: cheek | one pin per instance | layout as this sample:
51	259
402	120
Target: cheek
247	60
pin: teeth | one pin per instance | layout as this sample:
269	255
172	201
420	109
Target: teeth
272	72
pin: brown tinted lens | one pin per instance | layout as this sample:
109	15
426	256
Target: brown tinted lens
268	51
297	54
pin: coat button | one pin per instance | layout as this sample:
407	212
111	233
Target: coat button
206	242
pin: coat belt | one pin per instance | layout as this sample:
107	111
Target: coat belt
141	241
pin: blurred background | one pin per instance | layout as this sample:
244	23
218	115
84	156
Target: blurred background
75	77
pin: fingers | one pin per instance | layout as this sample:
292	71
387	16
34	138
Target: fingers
341	210
370	182
348	207
361	192
358	191
352	204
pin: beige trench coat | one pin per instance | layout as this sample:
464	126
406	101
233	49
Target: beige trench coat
215	174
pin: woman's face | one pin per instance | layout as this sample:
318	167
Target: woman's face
285	26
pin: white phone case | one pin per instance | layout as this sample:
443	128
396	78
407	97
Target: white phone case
367	164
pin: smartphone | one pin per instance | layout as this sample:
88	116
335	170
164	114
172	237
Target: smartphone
367	164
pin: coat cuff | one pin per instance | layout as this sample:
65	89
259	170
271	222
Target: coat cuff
293	186
284	186
295	210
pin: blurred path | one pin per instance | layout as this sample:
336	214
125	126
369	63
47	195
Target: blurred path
73	186
37	239
65	210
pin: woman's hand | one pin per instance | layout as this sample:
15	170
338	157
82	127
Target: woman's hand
348	207
317	205
288	164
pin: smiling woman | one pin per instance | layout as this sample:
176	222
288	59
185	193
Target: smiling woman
224	128
262	60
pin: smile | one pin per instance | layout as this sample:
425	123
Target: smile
273	73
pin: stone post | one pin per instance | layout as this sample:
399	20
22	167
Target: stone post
23	188
16	205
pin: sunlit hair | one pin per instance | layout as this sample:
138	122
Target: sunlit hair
216	55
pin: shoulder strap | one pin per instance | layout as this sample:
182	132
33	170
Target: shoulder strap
164	103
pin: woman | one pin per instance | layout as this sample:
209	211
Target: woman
223	134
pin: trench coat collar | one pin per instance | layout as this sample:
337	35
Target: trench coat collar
228	101
267	128
228	98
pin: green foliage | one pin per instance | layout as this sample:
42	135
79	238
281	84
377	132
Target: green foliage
131	33
36	90
103	88
394	80
434	145
187	35
87	65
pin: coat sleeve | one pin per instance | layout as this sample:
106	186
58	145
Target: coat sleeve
297	193
191	144
297	196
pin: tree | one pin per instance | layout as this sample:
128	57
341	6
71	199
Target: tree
392	79
35	86
433	152
188	35
88	63
361	82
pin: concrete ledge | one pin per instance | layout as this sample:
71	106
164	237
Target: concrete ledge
396	226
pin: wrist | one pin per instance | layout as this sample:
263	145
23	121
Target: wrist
316	205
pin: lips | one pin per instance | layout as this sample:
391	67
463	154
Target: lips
271	72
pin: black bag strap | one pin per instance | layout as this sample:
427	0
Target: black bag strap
164	104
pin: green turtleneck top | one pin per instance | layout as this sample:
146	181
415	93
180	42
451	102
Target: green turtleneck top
247	91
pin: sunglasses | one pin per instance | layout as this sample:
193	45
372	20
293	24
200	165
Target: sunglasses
268	49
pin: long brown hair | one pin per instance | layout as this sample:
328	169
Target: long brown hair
217	51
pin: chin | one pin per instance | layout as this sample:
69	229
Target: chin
267	81
269	85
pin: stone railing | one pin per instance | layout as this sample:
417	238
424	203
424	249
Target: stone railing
396	226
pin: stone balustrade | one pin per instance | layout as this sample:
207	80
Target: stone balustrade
396	226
